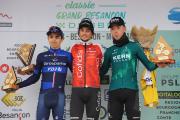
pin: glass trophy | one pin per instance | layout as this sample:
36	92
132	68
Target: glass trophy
163	52
10	81
25	54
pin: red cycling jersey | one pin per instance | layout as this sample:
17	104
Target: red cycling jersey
86	63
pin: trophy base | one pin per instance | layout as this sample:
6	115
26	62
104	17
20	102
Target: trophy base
26	70
9	88
167	61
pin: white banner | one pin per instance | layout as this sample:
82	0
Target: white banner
27	21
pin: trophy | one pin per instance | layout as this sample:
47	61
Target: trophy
25	53
148	79
144	36
163	52
10	81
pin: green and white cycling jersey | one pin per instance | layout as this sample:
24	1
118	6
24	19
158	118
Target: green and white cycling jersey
124	62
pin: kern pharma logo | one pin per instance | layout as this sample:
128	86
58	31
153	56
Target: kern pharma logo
13	99
174	15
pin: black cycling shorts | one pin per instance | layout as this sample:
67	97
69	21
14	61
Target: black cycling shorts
85	97
121	100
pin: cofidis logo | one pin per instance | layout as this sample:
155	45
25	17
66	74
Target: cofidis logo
174	15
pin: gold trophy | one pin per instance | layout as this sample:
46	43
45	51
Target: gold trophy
144	36
10	81
25	54
163	52
148	80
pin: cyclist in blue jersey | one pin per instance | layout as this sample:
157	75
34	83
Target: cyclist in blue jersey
53	65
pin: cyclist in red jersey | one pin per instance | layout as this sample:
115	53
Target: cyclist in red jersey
86	81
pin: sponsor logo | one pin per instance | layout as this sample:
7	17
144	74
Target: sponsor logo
169	95
4	68
4	15
53	69
13	99
15	115
170	80
98	101
79	64
5	18
54	63
12	52
174	15
122	57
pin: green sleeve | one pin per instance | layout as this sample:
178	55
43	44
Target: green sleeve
106	64
142	57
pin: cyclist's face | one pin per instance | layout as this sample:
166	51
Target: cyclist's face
117	31
85	34
55	40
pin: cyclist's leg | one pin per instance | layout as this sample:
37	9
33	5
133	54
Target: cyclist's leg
132	105
58	109
76	105
93	104
43	111
115	105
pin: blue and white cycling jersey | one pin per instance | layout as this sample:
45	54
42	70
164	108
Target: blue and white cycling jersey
53	66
